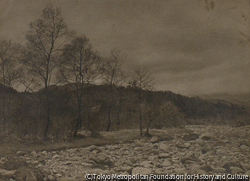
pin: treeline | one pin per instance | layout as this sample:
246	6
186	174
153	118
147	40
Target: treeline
26	112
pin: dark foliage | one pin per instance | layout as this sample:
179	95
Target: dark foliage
26	111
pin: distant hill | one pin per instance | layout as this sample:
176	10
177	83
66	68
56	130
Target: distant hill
192	107
26	112
241	99
205	106
197	107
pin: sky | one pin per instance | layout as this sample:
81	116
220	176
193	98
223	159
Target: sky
193	47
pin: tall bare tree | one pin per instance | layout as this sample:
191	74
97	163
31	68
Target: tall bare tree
9	71
9	68
142	79
79	65
113	76
45	38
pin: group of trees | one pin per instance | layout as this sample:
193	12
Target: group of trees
55	55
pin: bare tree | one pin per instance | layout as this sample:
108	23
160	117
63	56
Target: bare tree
9	71
45	38
162	114
113	76
142	80
79	65
152	111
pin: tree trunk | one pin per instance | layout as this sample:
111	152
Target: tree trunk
140	122
78	120
150	121
140	117
48	113
3	100
3	114
109	119
48	122
87	105
118	117
110	106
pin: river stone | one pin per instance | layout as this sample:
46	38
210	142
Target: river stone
58	175
141	170
21	153
246	166
137	149
147	164
166	163
159	171
220	170
78	175
189	157
190	136
95	151
91	148
210	153
195	171
7	174
46	171
228	165
100	158
165	137
51	178
164	147
56	157
67	179
182	145
139	143
221	151
206	149
68	163
33	153
200	142
180	171
206	168
244	147
95	171
44	153
24	173
154	139
125	168
247	173
236	170
207	137
129	162
76	158
86	164
13	163
34	163
164	155
245	142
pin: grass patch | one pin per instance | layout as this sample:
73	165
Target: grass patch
105	138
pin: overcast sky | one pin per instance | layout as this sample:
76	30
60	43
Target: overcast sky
192	47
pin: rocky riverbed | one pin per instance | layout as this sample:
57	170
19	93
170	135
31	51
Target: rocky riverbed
197	150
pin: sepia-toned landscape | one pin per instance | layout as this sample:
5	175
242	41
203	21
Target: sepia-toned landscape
92	89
